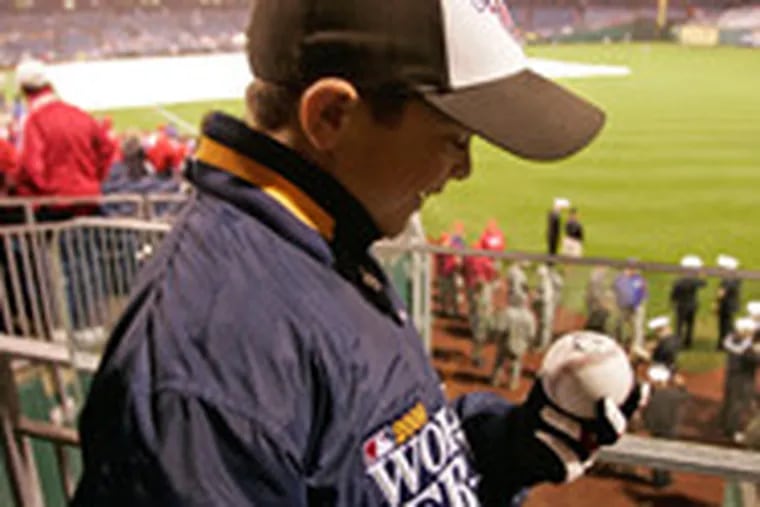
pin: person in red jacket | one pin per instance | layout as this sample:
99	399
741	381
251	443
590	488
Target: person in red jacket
64	150
492	238
8	165
164	151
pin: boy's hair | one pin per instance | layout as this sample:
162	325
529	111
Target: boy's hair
274	106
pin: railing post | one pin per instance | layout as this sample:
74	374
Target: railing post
19	456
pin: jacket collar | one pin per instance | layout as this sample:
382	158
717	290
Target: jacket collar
309	195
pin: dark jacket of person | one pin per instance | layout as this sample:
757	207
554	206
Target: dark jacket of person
666	351
662	414
729	303
684	293
264	359
552	231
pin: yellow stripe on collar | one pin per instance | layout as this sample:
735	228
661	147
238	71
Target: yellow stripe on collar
274	185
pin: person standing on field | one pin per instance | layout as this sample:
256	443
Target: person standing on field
683	297
728	297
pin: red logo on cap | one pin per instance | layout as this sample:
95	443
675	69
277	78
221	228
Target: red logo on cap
497	7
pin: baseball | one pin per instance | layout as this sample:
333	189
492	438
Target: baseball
582	367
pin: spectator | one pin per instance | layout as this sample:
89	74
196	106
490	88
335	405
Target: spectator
64	151
514	328
554	224
447	272
683	297
663	412
106	124
480	277
163	152
753	309
631	294
492	238
728	298
598	300
8	166
549	294
668	344
743	355
572	243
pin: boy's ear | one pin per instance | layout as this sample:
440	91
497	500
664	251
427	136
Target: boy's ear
324	110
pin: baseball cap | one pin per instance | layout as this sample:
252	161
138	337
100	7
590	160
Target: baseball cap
745	324
459	55
727	262
658	322
691	261
32	73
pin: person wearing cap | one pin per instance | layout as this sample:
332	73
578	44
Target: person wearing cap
663	412
668	344
743	356
631	294
264	358
514	328
450	274
64	150
480	280
753	309
548	296
683	298
554	224
728	297
8	165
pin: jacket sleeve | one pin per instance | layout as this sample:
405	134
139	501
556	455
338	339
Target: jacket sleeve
104	150
502	445
31	157
194	454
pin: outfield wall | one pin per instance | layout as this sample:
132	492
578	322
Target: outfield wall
141	82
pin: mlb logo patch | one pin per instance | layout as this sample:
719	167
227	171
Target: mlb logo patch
378	445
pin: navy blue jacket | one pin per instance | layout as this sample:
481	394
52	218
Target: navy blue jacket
265	360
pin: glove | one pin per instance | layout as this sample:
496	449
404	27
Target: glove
584	397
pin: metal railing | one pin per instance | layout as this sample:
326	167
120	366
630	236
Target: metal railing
153	206
66	283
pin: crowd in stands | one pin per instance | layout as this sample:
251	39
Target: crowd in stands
107	34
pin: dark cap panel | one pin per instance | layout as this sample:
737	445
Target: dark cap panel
369	42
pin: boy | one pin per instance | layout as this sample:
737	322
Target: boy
264	358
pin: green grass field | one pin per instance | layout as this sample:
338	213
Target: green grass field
676	169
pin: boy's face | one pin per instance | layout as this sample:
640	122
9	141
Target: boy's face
391	169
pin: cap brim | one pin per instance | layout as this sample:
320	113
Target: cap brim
525	114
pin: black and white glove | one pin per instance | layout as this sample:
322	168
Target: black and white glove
583	398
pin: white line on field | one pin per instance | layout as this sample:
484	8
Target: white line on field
178	120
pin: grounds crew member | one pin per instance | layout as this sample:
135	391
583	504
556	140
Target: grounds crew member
684	298
264	358
668	344
728	298
742	358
